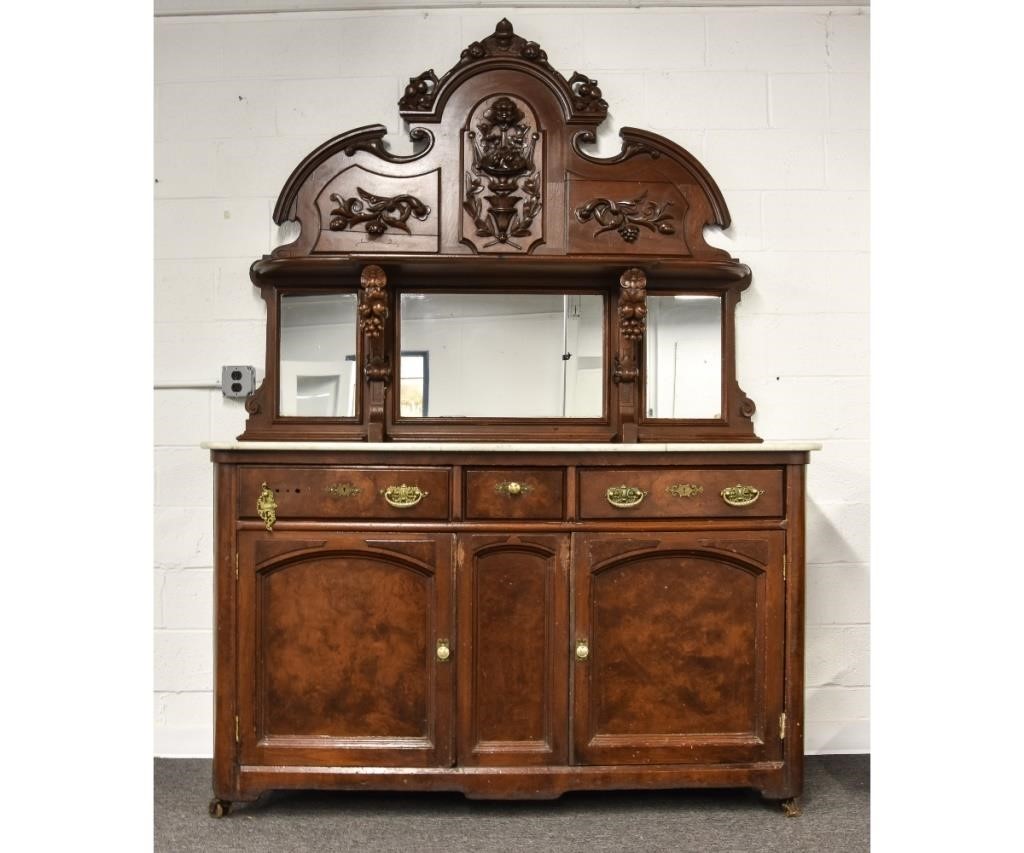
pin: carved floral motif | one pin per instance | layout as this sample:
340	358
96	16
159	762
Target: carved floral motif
378	212
625	216
503	147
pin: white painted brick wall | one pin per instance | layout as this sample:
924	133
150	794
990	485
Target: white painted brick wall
773	101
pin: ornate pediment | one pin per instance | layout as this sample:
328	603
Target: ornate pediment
426	94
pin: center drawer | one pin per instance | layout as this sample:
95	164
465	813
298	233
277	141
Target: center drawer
680	492
344	493
515	493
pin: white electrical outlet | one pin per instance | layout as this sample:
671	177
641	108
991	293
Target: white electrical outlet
237	380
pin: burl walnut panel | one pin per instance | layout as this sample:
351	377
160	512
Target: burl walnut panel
343	664
679	642
513	610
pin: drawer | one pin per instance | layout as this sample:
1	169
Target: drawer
515	493
345	493
679	492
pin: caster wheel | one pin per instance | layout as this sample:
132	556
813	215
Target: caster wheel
791	807
219	808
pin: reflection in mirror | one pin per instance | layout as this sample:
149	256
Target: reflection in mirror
504	355
683	366
318	345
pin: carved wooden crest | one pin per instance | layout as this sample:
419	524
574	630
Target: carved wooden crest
502	169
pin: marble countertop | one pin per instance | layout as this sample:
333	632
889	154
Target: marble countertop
516	447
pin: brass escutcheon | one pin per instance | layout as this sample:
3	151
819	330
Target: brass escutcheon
266	506
443	650
403	496
740	495
685	490
511	488
625	496
342	490
582	650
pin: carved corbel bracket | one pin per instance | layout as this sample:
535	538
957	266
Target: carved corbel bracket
373	315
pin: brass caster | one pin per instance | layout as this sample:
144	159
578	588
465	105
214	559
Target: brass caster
792	807
219	808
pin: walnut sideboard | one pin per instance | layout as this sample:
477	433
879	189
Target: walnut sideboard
508	621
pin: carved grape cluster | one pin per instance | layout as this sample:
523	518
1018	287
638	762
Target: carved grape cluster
629	233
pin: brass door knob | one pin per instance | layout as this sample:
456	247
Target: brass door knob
582	650
443	650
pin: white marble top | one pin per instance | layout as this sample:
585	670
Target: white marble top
514	447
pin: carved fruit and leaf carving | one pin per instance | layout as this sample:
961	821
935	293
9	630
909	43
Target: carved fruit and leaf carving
373	307
632	323
378	212
503	165
627	217
633	304
373	311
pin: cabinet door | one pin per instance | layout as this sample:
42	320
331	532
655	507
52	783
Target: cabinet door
339	649
682	655
513	597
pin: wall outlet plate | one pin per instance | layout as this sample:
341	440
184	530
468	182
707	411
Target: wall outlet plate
237	380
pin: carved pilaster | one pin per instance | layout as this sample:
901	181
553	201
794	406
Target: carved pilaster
373	314
632	325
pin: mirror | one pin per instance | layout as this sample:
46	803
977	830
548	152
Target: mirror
503	355
318	346
683	366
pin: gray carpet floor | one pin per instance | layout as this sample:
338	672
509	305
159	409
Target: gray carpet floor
835	818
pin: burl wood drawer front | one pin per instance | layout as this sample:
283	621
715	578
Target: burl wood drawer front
514	493
346	493
680	492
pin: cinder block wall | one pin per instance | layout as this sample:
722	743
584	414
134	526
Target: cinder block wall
774	101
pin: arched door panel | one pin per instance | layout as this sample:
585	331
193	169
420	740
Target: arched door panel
339	650
683	640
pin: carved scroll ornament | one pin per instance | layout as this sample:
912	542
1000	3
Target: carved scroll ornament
626	216
378	212
503	148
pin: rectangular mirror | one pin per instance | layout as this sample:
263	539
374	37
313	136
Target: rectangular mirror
486	355
318	344
683	366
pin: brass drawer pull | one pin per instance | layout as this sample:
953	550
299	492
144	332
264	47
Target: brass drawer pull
625	496
266	506
740	495
443	650
511	488
685	490
342	490
403	496
582	650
